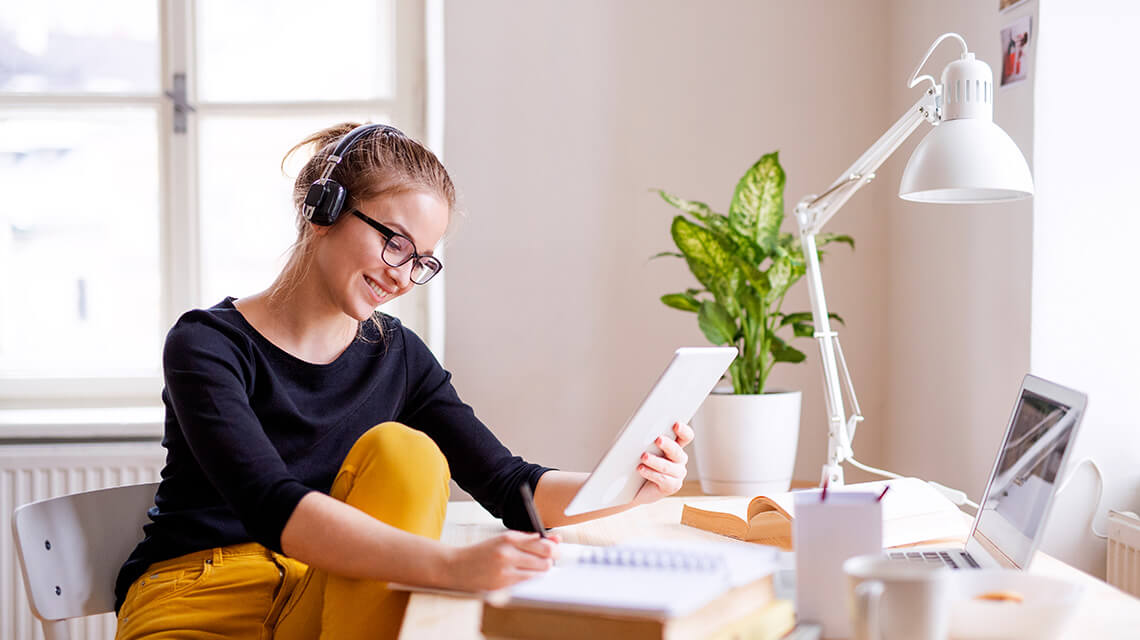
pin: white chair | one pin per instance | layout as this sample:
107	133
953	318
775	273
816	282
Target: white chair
71	549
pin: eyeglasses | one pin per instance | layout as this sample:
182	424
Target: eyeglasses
399	249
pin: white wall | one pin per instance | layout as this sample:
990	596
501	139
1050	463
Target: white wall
560	118
1085	305
958	301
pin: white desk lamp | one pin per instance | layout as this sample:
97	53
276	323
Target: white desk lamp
966	158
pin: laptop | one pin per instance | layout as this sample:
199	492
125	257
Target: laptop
1034	452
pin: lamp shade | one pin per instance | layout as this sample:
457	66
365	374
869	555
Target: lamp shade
966	160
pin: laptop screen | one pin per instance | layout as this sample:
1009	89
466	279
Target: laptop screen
1022	485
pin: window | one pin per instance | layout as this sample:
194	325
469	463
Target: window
140	150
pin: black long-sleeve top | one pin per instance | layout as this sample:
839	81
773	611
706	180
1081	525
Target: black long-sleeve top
251	429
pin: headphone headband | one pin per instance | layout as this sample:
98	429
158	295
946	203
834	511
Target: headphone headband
326	197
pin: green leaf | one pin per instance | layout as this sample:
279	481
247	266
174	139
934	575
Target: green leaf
757	278
757	208
664	254
805	318
698	210
780	277
742	245
709	257
716	323
799	316
681	301
786	353
803	329
828	238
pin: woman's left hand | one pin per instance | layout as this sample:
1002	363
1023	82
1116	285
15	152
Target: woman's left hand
666	472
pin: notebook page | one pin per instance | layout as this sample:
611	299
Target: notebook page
642	591
659	579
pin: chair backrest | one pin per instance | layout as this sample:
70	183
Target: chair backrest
71	547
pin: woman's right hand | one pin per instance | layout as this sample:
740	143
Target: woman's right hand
501	561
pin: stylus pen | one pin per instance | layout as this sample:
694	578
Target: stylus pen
528	502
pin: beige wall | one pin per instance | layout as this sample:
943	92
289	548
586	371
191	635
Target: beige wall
561	116
958	278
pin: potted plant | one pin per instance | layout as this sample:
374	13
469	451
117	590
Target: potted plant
745	265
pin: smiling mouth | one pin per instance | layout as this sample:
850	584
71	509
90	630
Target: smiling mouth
380	293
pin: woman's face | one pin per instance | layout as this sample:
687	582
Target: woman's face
349	255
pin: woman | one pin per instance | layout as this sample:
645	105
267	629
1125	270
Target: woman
311	439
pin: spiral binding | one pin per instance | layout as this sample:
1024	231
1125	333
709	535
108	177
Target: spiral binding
649	558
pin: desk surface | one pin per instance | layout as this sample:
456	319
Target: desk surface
1105	612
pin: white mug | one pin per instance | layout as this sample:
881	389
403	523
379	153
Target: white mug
895	600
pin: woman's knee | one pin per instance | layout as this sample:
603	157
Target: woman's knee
399	452
400	444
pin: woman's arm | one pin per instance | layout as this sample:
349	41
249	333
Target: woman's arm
665	474
328	534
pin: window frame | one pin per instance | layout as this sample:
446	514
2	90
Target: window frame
415	24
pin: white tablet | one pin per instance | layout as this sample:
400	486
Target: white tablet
678	393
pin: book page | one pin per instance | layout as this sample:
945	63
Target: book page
906	497
737	506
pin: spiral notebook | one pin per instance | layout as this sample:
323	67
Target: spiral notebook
654	579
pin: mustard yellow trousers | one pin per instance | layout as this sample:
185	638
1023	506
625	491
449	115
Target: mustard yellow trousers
393	473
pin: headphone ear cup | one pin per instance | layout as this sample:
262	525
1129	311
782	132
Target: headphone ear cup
324	202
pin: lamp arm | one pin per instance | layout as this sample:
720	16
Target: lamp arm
821	208
812	213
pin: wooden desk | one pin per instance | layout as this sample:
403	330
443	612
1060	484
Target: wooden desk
1105	612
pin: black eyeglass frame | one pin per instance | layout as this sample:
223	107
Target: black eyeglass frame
388	235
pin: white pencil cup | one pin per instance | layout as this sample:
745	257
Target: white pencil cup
826	532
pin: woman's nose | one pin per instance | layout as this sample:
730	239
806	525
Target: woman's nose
402	275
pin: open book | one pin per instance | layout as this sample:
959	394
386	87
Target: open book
913	513
658	588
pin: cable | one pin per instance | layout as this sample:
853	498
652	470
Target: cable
953	495
874	470
957	497
1099	492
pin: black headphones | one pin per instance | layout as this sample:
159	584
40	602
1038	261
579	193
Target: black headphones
325	199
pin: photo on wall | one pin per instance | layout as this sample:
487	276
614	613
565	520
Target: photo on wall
1015	51
1009	4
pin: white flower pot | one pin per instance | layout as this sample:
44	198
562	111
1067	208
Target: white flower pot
746	444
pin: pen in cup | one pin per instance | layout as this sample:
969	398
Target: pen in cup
885	489
528	502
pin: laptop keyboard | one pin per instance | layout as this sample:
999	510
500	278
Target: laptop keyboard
934	557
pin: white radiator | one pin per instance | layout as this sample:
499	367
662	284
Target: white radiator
30	472
1124	551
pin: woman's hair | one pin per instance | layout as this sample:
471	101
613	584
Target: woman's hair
381	162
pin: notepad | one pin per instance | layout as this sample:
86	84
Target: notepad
654	579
